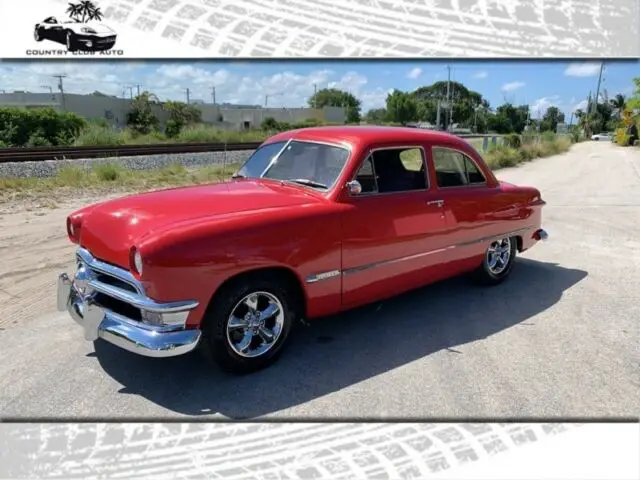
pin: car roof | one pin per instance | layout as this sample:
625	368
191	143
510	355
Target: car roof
357	135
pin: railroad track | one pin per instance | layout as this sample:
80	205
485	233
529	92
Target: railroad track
10	155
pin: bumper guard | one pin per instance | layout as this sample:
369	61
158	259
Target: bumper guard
127	333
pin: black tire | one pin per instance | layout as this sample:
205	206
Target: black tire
483	275
217	345
37	34
72	44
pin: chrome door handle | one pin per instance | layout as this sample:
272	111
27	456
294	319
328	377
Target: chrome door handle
439	203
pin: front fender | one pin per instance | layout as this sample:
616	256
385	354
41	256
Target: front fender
193	259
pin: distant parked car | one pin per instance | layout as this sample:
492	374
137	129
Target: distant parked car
317	221
602	136
75	34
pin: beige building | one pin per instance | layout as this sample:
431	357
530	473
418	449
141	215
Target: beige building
114	110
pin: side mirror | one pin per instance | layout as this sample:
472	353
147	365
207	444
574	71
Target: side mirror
354	187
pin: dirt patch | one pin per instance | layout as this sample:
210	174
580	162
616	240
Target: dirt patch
34	248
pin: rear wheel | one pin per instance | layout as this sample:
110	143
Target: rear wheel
37	34
248	324
498	261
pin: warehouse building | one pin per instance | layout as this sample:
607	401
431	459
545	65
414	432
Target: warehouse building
115	109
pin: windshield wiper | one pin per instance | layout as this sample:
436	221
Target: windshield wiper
308	183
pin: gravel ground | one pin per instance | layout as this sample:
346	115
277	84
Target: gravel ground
558	340
50	168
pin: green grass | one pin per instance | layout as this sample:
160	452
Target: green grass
109	177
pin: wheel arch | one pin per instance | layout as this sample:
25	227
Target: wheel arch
278	272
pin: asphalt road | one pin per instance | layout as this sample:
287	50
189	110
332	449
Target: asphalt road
559	339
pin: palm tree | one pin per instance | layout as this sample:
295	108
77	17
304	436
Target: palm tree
89	11
74	10
618	103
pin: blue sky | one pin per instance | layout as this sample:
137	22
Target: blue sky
289	84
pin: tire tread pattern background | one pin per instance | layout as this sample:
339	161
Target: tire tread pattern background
390	28
254	450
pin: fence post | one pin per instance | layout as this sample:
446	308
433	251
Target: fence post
485	144
494	141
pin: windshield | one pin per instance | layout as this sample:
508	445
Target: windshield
312	164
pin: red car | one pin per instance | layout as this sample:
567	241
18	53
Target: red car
316	221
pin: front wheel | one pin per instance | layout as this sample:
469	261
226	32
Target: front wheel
249	323
37	34
72	44
498	261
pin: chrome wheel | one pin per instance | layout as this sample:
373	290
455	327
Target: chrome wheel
36	35
498	256
68	41
255	324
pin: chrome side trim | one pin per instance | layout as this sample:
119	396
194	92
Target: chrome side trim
362	268
323	276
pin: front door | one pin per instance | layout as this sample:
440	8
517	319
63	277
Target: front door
394	230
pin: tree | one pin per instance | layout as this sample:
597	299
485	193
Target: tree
332	97
551	118
376	116
401	107
464	102
180	115
140	117
84	11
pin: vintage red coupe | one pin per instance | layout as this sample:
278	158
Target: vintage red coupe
316	221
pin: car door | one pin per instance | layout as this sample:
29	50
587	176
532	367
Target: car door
394	229
474	210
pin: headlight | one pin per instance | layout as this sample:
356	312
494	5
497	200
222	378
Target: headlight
88	30
135	260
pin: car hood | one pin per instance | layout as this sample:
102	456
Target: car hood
109	229
99	28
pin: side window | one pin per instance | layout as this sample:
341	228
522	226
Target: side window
474	175
399	170
454	169
367	177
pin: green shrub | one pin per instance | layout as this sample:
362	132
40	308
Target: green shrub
549	136
502	157
513	140
98	136
20	127
70	176
108	172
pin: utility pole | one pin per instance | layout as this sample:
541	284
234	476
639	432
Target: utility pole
188	96
315	96
138	88
61	88
266	101
213	94
595	104
448	88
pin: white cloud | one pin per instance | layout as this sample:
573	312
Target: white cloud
512	86
540	106
480	75
414	73
169	81
581	105
587	69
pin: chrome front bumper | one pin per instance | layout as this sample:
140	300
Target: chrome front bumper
162	340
